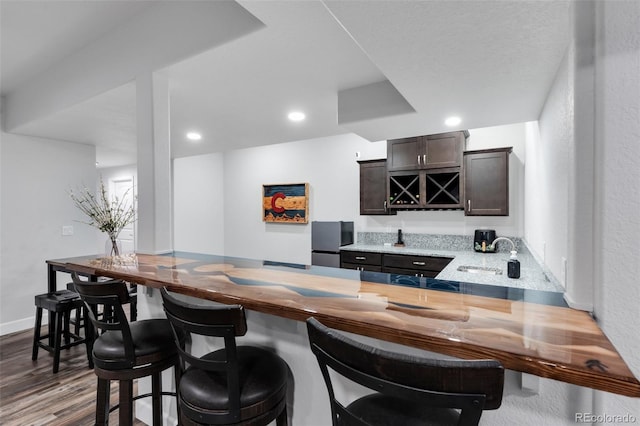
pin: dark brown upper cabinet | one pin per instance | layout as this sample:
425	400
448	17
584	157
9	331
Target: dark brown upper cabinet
426	152
425	171
486	182
373	188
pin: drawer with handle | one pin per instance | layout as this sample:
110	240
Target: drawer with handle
420	263
361	257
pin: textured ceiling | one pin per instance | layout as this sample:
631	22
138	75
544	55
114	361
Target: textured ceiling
491	62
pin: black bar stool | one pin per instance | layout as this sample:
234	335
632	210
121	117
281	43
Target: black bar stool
60	304
133	304
408	390
126	350
234	385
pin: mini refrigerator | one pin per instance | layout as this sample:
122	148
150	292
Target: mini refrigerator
326	240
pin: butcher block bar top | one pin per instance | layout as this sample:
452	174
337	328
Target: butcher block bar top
530	331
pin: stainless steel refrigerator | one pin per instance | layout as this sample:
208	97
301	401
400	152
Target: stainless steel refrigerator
326	240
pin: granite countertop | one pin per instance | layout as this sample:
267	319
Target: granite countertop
532	275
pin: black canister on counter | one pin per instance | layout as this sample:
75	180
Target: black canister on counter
513	266
400	243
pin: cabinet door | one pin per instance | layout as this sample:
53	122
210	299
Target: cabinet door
486	182
373	188
443	150
404	154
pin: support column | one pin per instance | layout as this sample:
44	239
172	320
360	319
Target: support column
580	273
154	165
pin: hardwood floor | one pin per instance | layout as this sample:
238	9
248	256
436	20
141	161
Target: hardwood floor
30	394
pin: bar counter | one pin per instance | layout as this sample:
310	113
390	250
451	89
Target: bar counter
529	331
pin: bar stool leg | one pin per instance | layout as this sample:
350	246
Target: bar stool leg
89	336
102	402
67	320
36	334
282	419
79	318
57	318
156	398
133	311
126	402
177	374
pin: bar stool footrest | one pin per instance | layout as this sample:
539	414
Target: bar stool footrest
166	393
77	340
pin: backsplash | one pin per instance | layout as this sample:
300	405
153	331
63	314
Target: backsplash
434	241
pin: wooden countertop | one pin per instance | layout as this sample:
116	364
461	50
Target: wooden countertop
527	330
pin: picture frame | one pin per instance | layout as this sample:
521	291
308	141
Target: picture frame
285	203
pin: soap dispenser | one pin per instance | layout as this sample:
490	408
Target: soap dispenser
513	265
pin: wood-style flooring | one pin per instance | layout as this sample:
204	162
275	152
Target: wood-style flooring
30	394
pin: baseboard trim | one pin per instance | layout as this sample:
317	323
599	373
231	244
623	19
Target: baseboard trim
20	325
576	305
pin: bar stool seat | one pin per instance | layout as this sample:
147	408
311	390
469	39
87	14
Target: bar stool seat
60	304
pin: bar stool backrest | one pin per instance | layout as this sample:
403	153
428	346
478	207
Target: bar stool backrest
471	386
108	296
225	321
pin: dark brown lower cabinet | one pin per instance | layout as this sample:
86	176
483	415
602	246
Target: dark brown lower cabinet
402	264
420	266
361	260
486	182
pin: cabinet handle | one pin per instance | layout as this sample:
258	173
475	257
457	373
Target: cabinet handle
424	159
419	263
418	160
361	258
469	206
385	205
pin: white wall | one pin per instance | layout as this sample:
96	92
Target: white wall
617	207
36	175
616	252
198	204
327	164
546	174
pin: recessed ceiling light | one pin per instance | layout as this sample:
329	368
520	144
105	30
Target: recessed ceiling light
453	121
296	116
194	136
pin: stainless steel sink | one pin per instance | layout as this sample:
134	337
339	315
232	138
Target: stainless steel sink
480	270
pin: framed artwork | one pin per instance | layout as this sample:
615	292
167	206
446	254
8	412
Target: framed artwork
286	203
